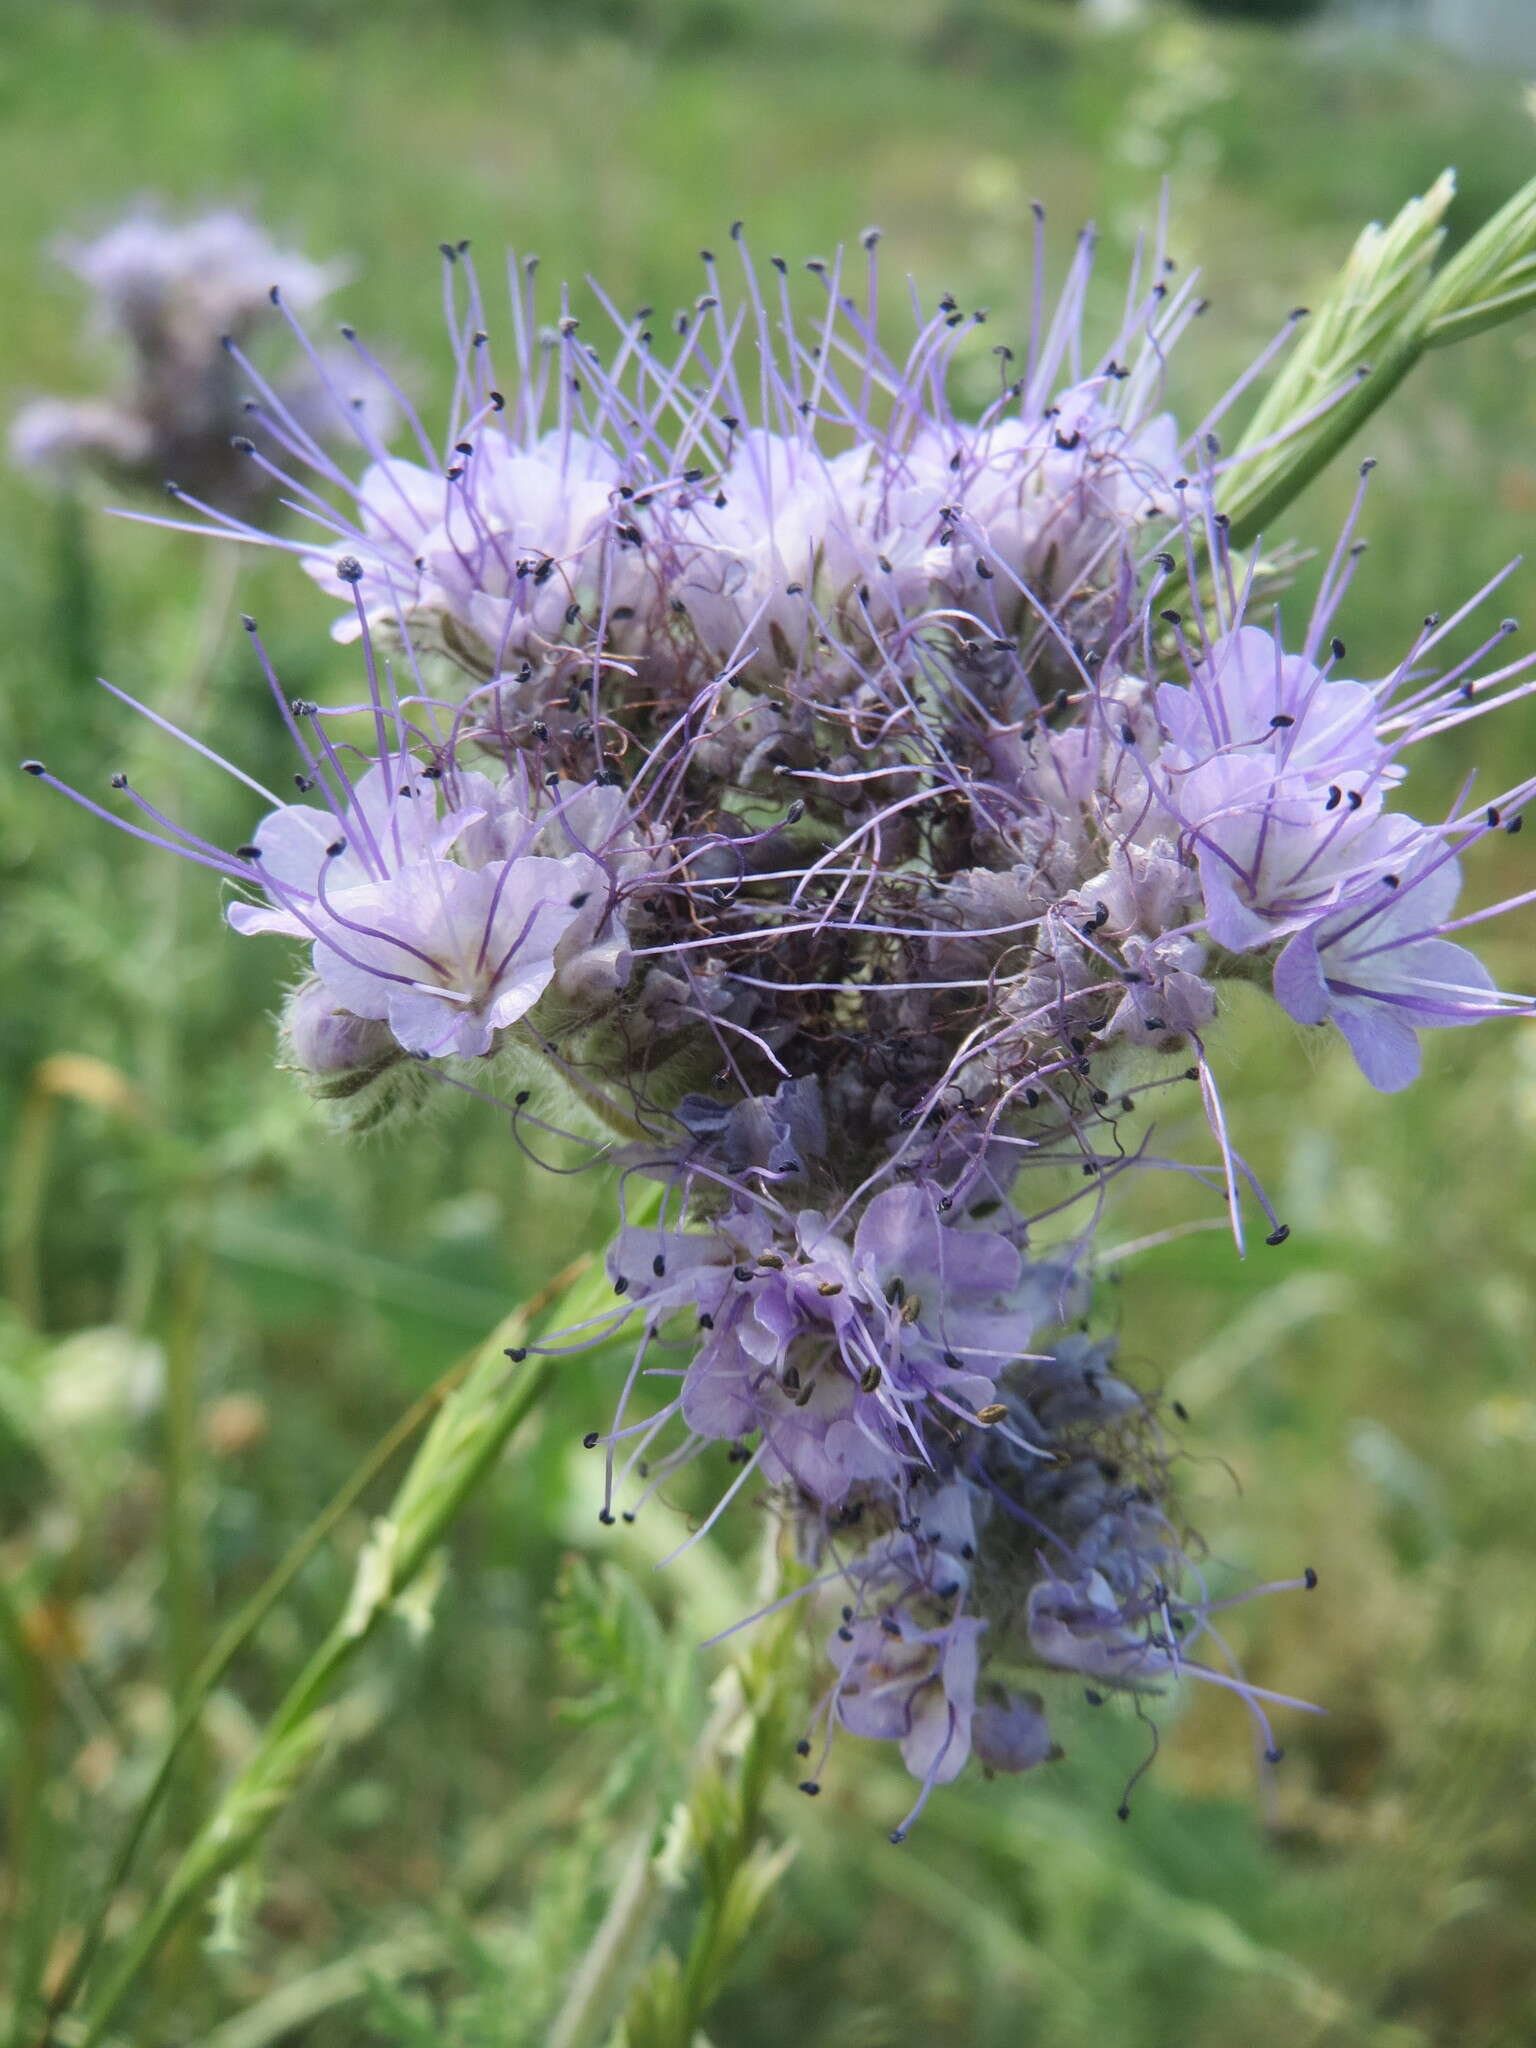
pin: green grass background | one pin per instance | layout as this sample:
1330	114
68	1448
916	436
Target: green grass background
1362	1400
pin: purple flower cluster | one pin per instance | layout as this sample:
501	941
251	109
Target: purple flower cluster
842	814
174	299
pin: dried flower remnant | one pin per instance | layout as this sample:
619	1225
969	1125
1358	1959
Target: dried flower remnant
816	803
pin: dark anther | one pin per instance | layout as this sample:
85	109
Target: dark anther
605	1518
1280	721
802	1747
521	1097
706	1321
1279	1234
1171	618
983	570
1337	646
744	1273
590	1441
1309	1579
516	1353
810	1788
1514	825
621	1285
1335	797
336	848
247	852
1094	1699
1127	736
579	901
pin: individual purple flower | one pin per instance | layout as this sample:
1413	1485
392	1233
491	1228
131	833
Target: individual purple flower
448	956
1034	508
447	907
512	551
772	549
387	819
1380	970
898	1682
1249	701
1275	853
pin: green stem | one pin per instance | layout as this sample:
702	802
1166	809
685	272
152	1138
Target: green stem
26	1187
183	1548
472	1427
611	1957
721	1826
1252	510
222	1653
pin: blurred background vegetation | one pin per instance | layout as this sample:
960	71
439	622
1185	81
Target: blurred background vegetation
215	1307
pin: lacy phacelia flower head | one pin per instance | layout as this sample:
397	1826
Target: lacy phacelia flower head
179	299
858	810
